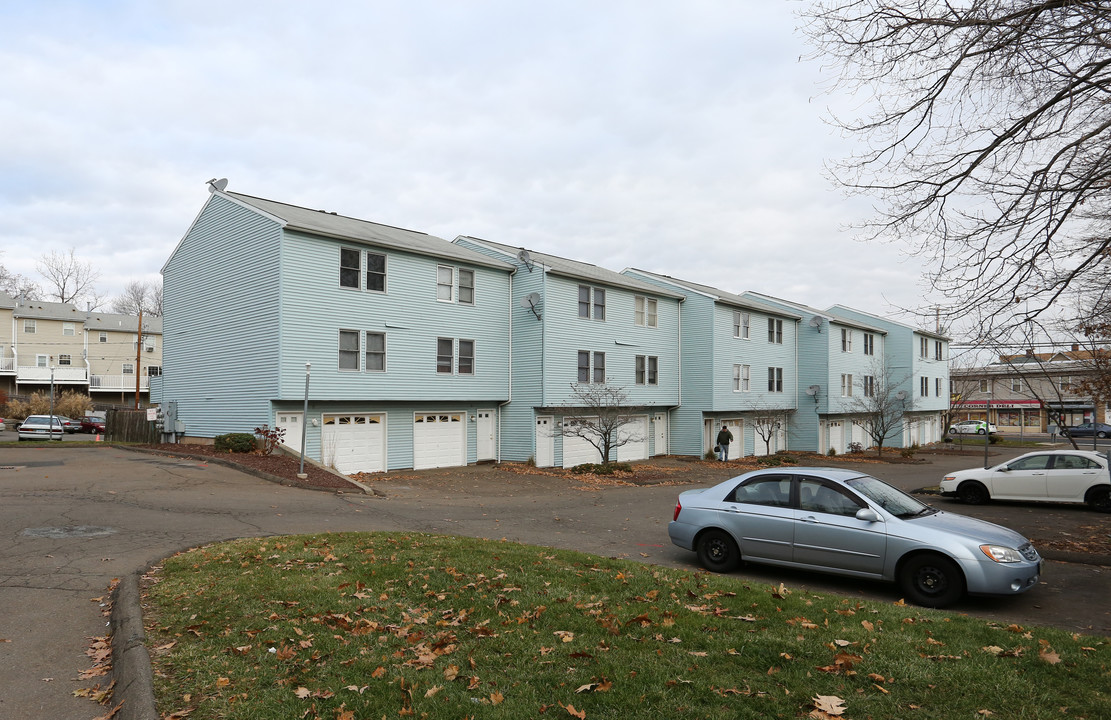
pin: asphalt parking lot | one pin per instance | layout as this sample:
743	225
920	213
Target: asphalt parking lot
74	518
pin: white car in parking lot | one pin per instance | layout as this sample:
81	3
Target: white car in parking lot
972	427
42	427
1071	476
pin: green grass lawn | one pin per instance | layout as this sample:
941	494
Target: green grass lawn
368	626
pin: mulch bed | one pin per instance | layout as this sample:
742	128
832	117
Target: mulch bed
282	467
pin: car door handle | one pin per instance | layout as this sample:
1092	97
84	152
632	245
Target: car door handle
811	519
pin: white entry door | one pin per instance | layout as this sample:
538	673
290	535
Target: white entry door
837	436
484	429
659	426
294	426
545	442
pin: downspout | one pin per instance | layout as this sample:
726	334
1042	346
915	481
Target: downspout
798	403
679	344
502	405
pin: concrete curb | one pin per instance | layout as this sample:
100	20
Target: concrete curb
131	669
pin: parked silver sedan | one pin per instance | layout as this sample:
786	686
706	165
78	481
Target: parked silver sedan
839	521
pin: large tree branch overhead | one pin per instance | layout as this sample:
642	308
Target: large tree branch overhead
987	142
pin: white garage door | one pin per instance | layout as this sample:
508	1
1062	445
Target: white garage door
354	443
439	440
576	450
637	446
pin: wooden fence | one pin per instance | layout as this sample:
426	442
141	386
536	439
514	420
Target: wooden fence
130	426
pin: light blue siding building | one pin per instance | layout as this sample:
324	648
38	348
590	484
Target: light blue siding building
407	336
576	324
739	370
918	360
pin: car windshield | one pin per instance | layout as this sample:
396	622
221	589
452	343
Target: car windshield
893	500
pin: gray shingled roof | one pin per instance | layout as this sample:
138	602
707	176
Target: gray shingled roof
829	316
320	222
722	295
920	331
583	271
124	323
43	310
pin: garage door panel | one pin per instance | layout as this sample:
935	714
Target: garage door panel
353	443
439	440
637	446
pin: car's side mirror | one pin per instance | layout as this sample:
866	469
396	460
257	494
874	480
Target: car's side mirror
867	515
1005	468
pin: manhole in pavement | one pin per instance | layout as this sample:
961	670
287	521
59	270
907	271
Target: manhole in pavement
72	531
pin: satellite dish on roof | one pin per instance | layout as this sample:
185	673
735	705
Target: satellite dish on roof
816	322
532	302
526	259
215	185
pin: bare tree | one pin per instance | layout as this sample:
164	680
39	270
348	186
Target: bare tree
138	295
15	284
879	406
986	144
68	279
601	414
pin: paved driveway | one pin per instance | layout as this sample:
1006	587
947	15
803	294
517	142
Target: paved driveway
74	518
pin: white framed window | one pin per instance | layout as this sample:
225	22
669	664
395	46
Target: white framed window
592	302
29	326
445	355
984	386
647	370
868	385
464	362
846	385
42	361
924	386
349	350
128	369
869	344
466	287
454	285
148	343
938	350
375	352
846	340
455	356
775	379
592	367
775	331
644	312
937	387
65	360
742	376
352	263
1064	384
69	329
1016	385
742	324
103	336
445	283
924	347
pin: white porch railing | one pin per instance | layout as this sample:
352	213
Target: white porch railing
41	375
7	364
117	383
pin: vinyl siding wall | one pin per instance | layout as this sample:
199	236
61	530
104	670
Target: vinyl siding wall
221	319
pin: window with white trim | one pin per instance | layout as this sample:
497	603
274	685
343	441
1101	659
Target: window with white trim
869	344
924	386
374	352
349	350
29	326
1064	384
846	385
1016	385
42	361
464	361
846	340
128	369
775	379
775	331
868	385
65	360
592	367
69	329
647	368
984	387
742	323
103	336
644	311
445	283
454	285
742	375
937	387
924	347
938	350
592	302
353	262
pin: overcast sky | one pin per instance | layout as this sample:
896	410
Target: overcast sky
684	137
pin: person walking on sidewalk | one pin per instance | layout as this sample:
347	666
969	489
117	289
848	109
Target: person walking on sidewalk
724	438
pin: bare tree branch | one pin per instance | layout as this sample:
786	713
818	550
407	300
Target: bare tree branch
600	415
138	295
68	279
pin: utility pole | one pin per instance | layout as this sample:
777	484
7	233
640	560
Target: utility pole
138	356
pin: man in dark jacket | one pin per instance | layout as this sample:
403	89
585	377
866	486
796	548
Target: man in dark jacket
724	438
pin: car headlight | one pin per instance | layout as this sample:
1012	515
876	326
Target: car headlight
1001	553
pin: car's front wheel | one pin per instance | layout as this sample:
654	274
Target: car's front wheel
1101	434
931	580
718	552
980	431
973	493
1099	499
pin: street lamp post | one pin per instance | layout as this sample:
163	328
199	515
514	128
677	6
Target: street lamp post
987	428
304	423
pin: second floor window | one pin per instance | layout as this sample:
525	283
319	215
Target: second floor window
741	324
351	266
69	329
373	353
455	285
644	312
647	368
924	347
29	326
937	387
1065	384
103	337
128	369
348	350
924	386
775	331
775	379
592	302
869	344
592	367
984	386
868	385
65	360
846	385
1016	385
846	340
742	378
938	350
